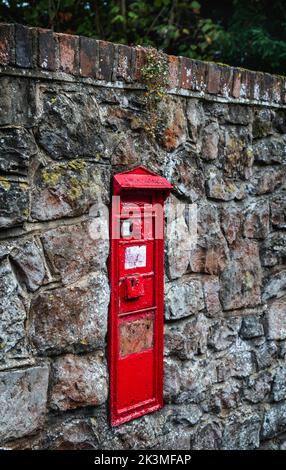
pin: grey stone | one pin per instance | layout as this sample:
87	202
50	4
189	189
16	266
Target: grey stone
16	147
187	338
251	328
210	254
69	189
278	211
279	384
13	316
179	240
14	202
29	262
207	436
274	421
210	141
211	288
269	150
276	319
72	251
273	249
69	126
256	223
237	362
265	354
183	298
241	279
257	388
274	285
223	333
73	317
17	101
23	396
223	189
241	431
78	381
266	180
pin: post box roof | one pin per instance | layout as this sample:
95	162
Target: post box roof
140	178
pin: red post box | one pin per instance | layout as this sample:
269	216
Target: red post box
137	294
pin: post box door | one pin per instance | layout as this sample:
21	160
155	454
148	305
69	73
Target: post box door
136	313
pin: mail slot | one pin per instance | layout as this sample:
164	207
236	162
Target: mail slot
136	265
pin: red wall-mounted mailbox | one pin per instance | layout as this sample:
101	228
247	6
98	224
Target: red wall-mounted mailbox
137	294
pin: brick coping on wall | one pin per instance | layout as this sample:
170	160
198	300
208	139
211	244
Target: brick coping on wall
41	53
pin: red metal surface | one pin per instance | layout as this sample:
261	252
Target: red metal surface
135	342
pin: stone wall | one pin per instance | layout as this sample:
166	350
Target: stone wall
72	113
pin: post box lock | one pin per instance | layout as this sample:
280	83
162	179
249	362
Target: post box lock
134	287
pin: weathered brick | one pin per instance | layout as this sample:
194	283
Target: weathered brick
88	57
267	87
125	57
187	73
140	61
7	46
226	79
213	78
174	71
236	83
68	51
47	49
106	61
26	39
200	72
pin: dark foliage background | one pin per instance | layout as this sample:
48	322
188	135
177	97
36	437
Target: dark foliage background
246	33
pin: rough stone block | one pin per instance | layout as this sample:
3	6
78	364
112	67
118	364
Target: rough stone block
241	431
16	148
188	338
278	211
211	288
71	318
72	252
256	223
276	319
279	384
23	396
241	279
78	381
251	328
274	421
211	252
183	299
69	190
69	125
270	150
28	261
17	102
14	202
13	345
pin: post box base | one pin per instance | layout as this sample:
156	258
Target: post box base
116	421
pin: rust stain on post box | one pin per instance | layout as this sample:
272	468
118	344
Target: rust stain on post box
136	336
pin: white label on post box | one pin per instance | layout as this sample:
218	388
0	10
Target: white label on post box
135	257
